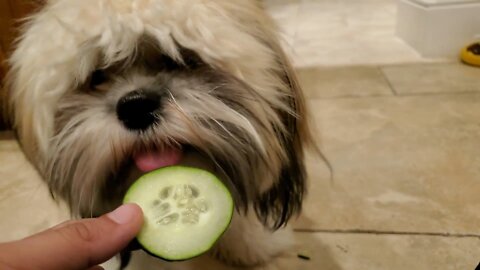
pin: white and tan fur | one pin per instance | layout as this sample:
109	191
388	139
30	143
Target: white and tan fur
239	106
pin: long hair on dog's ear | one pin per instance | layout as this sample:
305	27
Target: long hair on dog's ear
284	198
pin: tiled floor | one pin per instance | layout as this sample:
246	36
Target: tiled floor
403	141
341	32
25	204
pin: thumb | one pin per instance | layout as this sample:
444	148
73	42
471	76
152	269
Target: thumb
77	244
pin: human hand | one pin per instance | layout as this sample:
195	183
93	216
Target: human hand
75	245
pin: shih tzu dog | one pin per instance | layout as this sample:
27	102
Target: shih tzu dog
102	91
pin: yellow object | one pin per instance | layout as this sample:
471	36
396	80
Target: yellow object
471	54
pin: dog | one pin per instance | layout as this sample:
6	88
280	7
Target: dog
102	91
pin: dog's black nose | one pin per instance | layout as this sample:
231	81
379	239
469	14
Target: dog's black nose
136	110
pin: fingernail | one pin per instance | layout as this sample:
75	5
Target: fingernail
123	214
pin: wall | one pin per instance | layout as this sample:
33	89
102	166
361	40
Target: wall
10	13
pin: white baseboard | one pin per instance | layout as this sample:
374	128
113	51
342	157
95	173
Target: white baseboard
438	28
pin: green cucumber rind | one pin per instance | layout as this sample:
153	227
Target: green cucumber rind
208	246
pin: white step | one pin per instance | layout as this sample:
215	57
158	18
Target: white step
438	28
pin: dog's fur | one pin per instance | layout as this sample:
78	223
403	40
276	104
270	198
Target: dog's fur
228	97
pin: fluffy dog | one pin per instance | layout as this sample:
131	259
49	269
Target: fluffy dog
102	91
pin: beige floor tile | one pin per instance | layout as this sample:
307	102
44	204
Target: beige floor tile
357	251
285	13
400	164
433	78
25	203
343	81
392	252
348	32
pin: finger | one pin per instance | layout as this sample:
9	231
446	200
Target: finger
78	245
63	224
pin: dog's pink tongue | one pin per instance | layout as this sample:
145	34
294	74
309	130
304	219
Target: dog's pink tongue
150	161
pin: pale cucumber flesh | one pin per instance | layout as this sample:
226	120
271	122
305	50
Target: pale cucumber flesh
186	210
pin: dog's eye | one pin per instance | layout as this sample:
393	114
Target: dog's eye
191	59
98	77
169	64
162	63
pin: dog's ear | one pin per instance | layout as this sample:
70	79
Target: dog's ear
284	199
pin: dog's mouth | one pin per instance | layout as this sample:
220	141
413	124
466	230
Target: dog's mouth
146	160
154	159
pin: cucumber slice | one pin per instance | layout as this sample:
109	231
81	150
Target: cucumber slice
186	210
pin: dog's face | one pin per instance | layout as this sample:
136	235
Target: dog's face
103	91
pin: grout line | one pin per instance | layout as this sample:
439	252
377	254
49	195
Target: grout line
348	97
385	77
374	64
430	62
376	232
468	92
425	94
